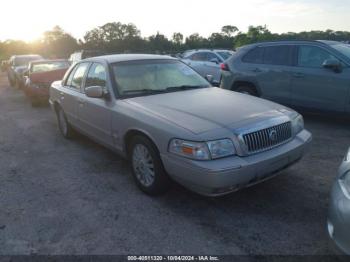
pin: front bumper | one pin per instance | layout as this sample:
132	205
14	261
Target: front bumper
222	176
338	223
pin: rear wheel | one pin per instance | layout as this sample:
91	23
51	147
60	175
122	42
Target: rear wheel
147	167
64	126
247	90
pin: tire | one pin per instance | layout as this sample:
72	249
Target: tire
64	126
147	167
247	90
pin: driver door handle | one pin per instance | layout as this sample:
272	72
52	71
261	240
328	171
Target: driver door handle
298	75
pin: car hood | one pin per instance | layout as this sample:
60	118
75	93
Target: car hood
205	109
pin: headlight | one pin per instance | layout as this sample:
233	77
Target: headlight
344	182
202	150
221	148
297	124
347	156
189	149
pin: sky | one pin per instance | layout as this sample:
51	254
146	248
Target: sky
27	20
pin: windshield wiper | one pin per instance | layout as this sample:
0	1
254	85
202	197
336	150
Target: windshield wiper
184	87
146	91
159	91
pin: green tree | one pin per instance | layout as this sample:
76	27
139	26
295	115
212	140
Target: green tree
94	39
196	41
178	38
117	37
229	30
113	37
57	43
159	43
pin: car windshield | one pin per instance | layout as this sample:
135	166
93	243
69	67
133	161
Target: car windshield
24	61
49	66
225	54
155	76
343	48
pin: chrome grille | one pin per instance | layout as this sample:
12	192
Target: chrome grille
267	138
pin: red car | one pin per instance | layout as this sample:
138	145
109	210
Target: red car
40	75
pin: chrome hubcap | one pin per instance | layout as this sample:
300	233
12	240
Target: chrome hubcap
63	123
143	165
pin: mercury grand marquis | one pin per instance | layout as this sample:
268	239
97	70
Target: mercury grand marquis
173	125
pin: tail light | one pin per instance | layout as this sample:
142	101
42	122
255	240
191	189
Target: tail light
224	67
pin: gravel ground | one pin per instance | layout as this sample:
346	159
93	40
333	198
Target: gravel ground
76	197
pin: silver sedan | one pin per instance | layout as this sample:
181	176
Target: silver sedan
339	210
172	125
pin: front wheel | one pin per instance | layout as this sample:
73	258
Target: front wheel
147	167
65	128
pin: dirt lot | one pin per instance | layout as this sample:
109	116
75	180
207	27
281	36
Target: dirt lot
76	197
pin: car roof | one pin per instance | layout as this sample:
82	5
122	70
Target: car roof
89	50
127	57
48	61
277	42
330	42
33	55
207	50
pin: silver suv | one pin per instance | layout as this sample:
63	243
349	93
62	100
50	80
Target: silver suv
207	61
311	75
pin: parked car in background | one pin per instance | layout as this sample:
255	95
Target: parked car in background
169	121
312	75
339	209
17	65
40	75
207	61
83	54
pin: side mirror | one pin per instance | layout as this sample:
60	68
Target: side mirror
214	60
210	79
333	64
95	91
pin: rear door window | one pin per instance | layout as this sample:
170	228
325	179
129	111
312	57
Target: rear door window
254	56
278	55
